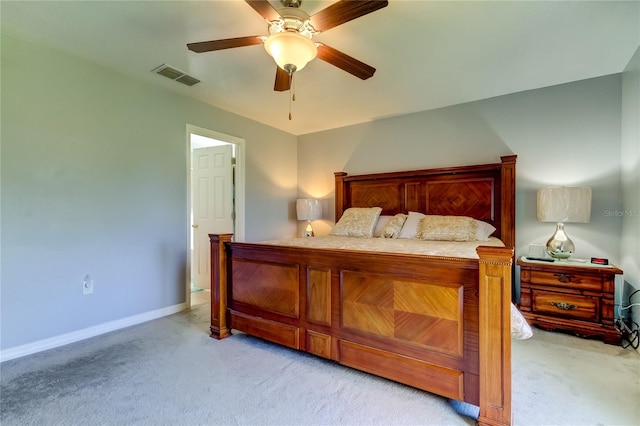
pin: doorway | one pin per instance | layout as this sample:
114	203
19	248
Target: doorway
215	201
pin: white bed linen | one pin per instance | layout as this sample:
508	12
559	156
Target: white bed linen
519	328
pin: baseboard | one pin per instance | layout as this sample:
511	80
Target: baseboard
76	336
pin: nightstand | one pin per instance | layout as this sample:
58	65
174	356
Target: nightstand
569	296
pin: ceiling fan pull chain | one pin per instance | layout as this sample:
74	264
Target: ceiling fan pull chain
289	105
292	90
293	83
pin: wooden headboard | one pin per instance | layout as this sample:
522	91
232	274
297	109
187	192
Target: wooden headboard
485	192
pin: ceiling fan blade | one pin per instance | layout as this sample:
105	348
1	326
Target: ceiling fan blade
345	62
283	80
344	11
264	8
209	46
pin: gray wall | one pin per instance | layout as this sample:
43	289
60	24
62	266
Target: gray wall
630	245
563	135
94	180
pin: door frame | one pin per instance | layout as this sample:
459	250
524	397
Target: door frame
239	191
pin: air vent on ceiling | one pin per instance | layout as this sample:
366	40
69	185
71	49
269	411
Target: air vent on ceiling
176	75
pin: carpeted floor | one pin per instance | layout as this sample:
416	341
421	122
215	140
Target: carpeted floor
169	372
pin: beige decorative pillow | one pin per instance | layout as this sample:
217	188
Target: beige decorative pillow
447	228
393	227
357	222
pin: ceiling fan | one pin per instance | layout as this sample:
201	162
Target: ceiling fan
290	41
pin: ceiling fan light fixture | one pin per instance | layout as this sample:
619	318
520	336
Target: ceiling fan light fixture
290	48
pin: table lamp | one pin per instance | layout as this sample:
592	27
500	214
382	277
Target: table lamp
308	209
563	204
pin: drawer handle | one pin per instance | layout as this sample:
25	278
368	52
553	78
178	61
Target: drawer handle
563	278
564	305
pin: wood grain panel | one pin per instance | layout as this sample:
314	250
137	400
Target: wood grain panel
389	196
473	197
273	331
416	373
319	344
269	286
433	300
429	315
411	311
439	334
319	294
367	303
412	197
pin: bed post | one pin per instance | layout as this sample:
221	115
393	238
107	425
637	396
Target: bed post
508	200
339	194
494	293
219	327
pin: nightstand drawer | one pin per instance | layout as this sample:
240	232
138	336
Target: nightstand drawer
567	279
566	305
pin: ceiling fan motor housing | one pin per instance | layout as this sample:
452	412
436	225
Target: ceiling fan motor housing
291	3
292	20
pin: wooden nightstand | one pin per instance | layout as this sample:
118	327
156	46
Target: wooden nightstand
569	296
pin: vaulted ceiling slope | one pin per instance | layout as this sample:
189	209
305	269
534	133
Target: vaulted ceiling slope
427	54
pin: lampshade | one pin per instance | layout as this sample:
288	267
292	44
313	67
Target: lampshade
308	209
290	48
569	204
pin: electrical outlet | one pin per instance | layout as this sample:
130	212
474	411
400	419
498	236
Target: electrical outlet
87	285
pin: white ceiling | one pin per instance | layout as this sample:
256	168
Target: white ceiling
428	54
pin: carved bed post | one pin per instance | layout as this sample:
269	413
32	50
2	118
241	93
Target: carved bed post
339	194
508	200
508	209
219	327
494	293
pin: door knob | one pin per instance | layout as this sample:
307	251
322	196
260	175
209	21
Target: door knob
194	226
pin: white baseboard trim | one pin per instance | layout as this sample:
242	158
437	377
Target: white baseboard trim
86	333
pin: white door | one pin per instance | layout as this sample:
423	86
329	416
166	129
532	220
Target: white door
212	205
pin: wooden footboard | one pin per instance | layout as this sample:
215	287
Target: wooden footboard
438	324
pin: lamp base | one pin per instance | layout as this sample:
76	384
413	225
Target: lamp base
560	245
308	231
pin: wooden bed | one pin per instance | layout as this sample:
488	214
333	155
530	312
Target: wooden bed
441	324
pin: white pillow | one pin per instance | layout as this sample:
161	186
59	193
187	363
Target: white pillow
484	230
382	222
357	222
410	227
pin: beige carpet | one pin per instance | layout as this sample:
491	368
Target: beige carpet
169	372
